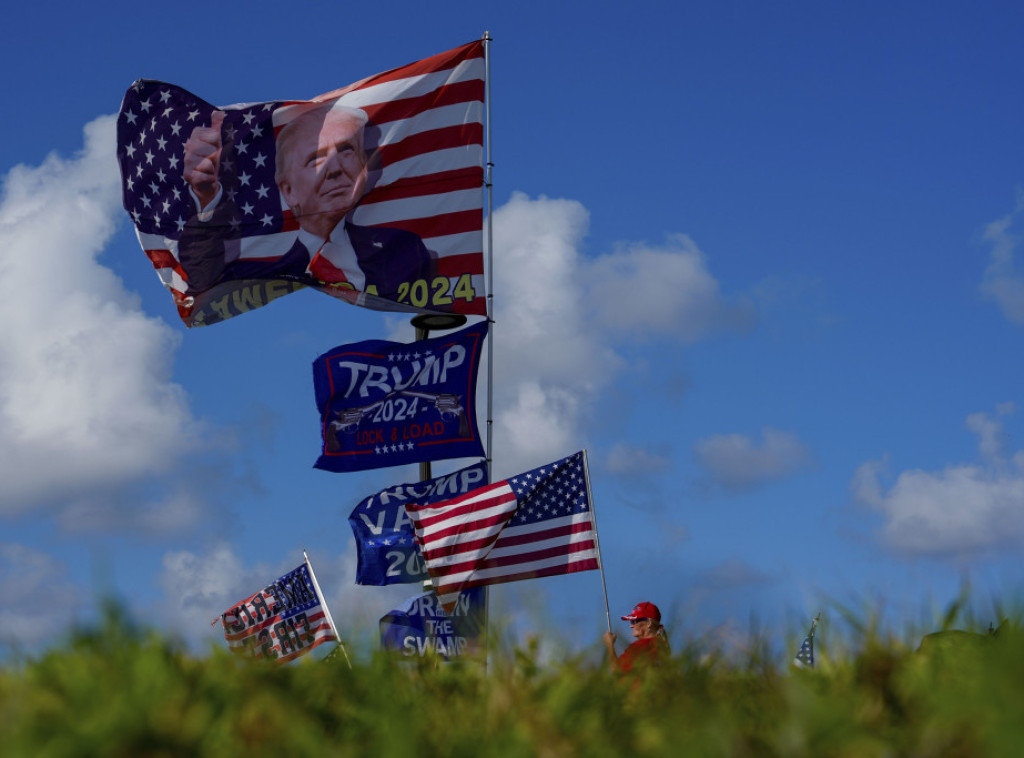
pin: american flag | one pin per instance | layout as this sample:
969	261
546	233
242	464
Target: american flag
805	655
424	145
535	524
282	621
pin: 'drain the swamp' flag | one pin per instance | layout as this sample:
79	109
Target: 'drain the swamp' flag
388	403
539	523
284	620
372	193
422	627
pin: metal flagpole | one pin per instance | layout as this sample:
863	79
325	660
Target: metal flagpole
597	542
327	611
488	168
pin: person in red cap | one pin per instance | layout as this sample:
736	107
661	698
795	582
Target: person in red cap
651	645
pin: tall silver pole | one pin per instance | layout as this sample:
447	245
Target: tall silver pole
327	611
425	472
488	169
597	542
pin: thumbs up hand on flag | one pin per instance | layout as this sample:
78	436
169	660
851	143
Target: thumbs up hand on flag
202	160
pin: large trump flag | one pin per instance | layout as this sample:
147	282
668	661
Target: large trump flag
539	523
372	193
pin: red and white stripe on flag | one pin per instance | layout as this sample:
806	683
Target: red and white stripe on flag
430	160
493	535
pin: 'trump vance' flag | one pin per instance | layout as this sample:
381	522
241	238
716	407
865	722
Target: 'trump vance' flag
282	621
372	193
385	542
388	403
536	524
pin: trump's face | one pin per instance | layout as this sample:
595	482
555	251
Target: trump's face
325	170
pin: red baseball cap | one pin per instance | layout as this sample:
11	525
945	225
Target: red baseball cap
643	611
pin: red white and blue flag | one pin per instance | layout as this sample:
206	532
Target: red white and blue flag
411	235
284	620
386	403
536	524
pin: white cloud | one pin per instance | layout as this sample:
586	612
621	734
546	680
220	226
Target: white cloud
965	507
737	462
991	437
551	363
167	510
561	316
86	398
646	291
1002	281
39	597
628	460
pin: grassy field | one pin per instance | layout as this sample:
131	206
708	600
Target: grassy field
120	691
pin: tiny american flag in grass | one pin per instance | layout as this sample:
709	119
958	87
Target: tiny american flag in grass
539	523
805	655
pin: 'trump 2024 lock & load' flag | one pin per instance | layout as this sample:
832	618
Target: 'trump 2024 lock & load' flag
389	403
372	193
282	621
536	524
385	541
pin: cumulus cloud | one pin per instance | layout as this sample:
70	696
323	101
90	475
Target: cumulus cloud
86	397
564	316
1003	281
963	508
628	460
549	362
650	291
39	596
736	462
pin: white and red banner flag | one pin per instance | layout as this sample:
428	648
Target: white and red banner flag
539	523
282	621
372	193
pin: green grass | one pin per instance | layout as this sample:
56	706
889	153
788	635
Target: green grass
122	691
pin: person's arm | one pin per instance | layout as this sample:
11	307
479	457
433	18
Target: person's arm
609	643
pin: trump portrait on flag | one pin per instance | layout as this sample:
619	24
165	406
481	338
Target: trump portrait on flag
321	175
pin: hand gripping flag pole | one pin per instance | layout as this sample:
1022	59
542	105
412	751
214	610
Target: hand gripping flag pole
597	542
327	611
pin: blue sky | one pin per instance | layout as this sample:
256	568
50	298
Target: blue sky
764	263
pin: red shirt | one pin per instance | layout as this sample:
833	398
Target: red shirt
650	651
